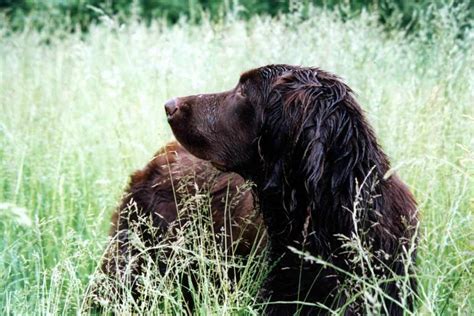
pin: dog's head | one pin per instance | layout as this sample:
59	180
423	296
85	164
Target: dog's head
224	127
277	117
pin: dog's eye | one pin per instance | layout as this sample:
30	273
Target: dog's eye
240	91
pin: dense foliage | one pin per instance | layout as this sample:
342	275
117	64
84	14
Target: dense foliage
392	13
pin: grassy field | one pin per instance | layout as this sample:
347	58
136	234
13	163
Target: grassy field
79	112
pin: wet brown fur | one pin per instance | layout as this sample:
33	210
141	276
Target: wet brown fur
301	136
148	209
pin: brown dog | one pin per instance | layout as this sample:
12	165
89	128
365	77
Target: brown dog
154	207
323	183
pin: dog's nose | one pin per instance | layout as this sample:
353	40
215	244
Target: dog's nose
171	107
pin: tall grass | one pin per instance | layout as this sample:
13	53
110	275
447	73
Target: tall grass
202	275
79	112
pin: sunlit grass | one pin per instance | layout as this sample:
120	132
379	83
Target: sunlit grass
79	112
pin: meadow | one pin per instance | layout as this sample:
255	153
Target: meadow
80	111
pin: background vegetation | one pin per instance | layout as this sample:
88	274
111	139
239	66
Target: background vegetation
391	13
81	110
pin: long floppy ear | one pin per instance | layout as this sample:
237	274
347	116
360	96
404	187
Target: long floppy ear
311	116
273	139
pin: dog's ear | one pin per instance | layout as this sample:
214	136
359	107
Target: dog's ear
273	136
319	124
328	134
